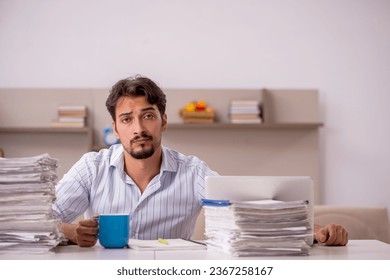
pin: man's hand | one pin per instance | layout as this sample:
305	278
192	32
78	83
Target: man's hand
86	233
83	234
331	234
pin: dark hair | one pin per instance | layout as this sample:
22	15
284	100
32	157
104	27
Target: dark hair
133	87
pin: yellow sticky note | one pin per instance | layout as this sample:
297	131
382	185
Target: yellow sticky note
163	241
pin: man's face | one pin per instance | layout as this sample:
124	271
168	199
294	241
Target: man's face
139	126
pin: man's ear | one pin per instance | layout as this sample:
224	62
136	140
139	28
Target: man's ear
164	122
115	130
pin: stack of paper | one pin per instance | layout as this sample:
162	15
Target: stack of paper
27	191
258	228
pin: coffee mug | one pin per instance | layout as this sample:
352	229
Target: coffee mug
113	230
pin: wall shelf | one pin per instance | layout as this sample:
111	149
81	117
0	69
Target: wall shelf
67	144
241	126
45	129
51	130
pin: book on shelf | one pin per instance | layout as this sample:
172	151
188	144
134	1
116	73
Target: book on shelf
245	111
70	119
75	111
72	108
244	102
72	114
67	124
255	111
244	116
239	121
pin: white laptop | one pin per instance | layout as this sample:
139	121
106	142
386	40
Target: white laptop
247	188
241	188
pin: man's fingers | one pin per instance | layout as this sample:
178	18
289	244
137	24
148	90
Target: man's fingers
322	235
87	243
333	235
337	235
82	230
89	223
89	227
340	235
86	233
344	236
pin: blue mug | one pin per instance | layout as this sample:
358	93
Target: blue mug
113	230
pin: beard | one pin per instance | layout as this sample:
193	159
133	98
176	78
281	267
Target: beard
145	151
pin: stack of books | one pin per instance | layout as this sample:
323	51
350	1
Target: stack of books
71	116
27	192
258	228
245	111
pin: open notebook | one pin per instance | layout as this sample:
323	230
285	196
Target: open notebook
172	244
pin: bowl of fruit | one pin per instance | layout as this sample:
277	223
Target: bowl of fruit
197	112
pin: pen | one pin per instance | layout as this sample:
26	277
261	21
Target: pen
193	241
163	241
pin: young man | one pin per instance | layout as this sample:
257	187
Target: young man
159	187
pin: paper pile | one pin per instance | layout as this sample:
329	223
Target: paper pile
258	228
27	191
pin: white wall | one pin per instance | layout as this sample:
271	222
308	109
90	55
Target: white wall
340	47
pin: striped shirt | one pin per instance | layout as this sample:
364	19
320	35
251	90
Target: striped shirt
168	208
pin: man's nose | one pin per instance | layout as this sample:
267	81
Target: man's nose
138	126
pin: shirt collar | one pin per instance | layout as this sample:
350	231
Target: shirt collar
168	161
117	157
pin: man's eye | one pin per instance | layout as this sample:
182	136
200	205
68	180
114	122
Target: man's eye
148	116
126	120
